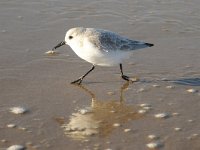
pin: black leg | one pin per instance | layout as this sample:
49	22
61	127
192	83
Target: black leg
81	78
122	74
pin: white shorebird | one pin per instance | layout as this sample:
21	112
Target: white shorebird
100	47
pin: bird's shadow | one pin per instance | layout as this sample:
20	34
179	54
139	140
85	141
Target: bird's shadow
187	81
179	81
100	117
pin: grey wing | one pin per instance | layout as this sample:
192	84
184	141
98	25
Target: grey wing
112	41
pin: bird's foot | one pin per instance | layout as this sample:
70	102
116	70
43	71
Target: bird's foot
135	79
77	81
125	78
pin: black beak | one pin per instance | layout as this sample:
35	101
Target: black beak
59	45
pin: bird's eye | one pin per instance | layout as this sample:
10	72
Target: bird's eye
70	37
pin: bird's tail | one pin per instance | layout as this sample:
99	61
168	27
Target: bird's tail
149	44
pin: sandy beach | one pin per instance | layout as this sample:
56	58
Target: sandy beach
161	110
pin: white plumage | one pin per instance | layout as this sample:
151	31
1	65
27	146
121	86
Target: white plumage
100	47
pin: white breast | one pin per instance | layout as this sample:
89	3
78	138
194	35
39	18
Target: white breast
92	54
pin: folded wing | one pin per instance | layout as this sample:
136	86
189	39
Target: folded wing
112	41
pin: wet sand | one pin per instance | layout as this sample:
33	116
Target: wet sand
105	112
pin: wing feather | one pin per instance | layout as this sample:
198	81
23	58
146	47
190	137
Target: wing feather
110	41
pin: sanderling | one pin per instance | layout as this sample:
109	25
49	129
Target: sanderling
100	47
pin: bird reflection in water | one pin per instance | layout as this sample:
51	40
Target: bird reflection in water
101	117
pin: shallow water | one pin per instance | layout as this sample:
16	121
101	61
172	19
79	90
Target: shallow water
29	78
